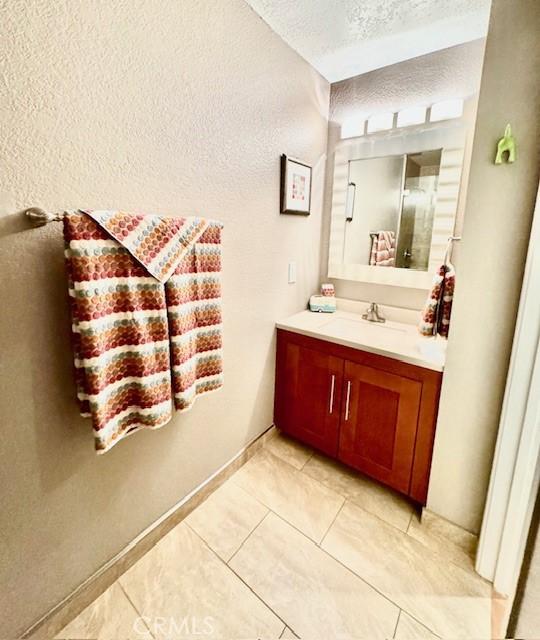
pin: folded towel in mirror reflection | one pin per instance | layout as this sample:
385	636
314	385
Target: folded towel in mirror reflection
383	249
438	308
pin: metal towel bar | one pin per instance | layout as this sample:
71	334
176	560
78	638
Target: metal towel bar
41	217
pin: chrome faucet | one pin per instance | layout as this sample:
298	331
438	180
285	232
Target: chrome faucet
372	314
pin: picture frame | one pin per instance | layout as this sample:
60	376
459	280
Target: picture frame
295	189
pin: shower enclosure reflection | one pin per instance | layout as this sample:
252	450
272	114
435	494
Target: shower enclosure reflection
419	194
390	210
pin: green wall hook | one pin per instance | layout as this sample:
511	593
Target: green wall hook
506	143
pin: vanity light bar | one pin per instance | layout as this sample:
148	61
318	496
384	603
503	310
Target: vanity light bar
446	109
443	110
410	116
380	122
352	128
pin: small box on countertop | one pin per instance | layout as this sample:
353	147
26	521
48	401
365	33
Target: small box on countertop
322	304
327	289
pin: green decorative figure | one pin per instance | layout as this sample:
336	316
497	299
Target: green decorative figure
506	143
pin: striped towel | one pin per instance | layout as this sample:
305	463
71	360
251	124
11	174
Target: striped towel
146	317
383	249
438	308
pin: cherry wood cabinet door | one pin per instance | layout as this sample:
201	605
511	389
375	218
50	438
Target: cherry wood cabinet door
379	420
308	394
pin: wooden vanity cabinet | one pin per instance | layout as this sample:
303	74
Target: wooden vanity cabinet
373	413
310	394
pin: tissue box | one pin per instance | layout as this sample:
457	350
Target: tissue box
322	304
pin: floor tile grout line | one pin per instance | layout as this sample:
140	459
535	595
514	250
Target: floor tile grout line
386	522
287	627
227	566
277	434
327	553
346	498
379	592
360	578
248	535
409	524
318	544
448	560
141	617
349	499
374	515
328	488
254	496
402	532
305	475
307	460
469	570
263	601
296	471
397	623
281	517
422	624
332	523
356	575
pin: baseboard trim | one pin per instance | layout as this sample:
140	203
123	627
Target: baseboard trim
61	614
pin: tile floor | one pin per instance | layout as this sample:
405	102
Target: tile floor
294	545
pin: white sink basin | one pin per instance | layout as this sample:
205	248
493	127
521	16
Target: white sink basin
391	339
355	329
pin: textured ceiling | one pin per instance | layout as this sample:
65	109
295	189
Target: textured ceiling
344	38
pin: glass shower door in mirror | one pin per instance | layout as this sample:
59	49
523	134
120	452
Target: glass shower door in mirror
418	199
391	209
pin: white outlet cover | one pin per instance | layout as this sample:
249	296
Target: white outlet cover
292	272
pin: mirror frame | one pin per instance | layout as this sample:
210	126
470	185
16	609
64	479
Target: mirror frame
450	137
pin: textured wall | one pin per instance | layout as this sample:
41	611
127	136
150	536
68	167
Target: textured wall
451	73
500	203
146	105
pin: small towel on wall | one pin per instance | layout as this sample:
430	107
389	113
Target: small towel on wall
383	249
438	308
145	300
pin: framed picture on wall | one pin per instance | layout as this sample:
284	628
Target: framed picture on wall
295	192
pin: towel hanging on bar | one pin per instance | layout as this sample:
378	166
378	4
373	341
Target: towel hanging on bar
438	307
146	310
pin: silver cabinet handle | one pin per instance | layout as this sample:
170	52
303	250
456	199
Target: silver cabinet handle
332	384
348	399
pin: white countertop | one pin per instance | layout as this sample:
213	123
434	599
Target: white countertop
396	340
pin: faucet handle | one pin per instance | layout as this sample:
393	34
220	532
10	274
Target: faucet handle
372	313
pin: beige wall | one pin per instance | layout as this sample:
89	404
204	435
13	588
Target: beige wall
148	105
498	215
450	73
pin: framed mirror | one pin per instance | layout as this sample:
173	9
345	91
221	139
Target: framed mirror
394	205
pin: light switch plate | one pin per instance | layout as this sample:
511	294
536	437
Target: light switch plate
292	272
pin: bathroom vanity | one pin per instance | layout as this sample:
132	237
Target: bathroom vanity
367	393
364	393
